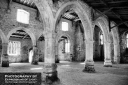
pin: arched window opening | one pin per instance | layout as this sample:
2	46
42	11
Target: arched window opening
14	48
23	16
64	26
101	38
67	46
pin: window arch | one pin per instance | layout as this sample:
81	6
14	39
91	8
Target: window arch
14	48
101	38
67	46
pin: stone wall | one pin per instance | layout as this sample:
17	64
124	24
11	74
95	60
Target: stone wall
79	46
24	53
8	18
41	50
8	22
123	49
69	34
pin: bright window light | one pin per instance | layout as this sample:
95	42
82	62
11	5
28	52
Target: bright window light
23	16
67	47
64	26
101	39
14	48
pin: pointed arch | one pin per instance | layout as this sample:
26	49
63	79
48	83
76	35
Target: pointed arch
83	12
27	30
102	23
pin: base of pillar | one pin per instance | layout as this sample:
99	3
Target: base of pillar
107	63
50	74
34	63
5	64
89	67
56	59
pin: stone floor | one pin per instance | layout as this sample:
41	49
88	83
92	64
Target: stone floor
70	73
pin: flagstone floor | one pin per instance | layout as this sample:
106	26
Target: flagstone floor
70	73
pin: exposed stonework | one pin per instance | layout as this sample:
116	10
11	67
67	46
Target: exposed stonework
103	24
49	26
50	74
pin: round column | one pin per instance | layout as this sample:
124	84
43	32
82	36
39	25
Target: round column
107	60
50	68
116	53
89	63
35	56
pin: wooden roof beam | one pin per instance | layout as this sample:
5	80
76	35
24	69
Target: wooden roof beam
103	13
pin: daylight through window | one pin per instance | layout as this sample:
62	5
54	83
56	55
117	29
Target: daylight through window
14	48
23	16
101	39
64	26
67	46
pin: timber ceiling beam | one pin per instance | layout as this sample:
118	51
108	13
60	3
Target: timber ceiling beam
119	24
118	16
103	13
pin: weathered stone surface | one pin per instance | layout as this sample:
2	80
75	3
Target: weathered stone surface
50	74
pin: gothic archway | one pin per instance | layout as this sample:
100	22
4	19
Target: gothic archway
102	22
98	44
83	12
21	40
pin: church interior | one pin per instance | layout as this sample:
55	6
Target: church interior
78	42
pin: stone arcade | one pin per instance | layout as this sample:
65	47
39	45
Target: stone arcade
51	31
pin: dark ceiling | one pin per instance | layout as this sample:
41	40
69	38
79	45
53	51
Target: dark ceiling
28	3
116	10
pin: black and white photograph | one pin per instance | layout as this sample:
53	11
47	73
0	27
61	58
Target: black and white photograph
63	42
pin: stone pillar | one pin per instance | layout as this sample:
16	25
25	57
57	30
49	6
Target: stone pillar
107	60
5	60
50	67
89	63
116	53
35	57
